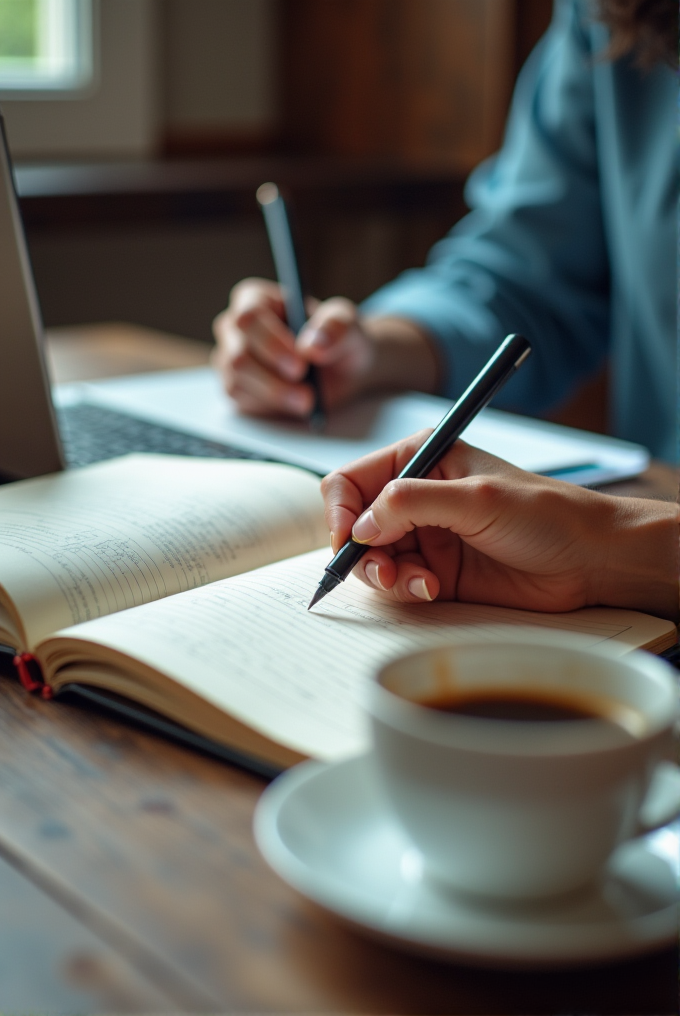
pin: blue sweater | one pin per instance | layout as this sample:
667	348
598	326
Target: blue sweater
571	240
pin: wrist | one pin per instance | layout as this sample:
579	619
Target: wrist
640	566
403	357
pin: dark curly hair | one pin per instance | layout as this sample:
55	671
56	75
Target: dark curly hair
647	29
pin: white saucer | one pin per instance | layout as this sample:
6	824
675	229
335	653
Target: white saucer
327	831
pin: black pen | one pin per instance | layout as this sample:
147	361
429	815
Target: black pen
510	355
286	264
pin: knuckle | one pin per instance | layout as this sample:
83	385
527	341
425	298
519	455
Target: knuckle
245	287
337	312
341	305
486	490
395	496
236	290
328	484
249	296
243	318
238	358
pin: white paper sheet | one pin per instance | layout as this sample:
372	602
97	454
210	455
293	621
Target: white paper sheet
251	647
192	401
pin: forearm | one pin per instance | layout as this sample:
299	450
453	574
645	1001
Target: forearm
404	357
641	562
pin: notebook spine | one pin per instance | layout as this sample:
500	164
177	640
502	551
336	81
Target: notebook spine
30	675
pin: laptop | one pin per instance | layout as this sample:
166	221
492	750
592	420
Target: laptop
37	435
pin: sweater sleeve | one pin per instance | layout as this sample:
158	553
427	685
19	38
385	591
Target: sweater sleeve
531	256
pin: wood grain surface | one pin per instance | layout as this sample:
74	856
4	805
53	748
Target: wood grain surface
150	847
85	352
49	961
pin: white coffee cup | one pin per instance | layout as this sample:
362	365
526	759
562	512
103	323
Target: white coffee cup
524	810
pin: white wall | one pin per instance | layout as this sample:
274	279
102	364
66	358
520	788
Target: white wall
181	67
120	114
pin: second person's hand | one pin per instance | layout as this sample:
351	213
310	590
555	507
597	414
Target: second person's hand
263	365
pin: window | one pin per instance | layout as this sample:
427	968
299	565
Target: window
46	46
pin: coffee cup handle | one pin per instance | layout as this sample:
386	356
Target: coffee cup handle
662	800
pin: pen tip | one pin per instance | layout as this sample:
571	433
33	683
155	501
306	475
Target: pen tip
318	595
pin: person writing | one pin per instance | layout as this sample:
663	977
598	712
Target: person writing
483	531
571	241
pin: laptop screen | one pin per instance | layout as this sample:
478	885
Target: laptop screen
29	440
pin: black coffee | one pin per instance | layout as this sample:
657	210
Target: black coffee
527	707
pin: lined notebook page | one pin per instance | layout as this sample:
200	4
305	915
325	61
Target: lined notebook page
88	542
250	646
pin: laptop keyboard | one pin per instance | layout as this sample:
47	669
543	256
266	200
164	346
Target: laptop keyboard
93	433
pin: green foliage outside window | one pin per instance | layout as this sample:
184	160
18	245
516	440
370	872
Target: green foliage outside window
18	30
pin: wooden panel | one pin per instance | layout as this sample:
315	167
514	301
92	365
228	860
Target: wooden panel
417	79
151	847
176	236
533	17
457	64
74	195
334	76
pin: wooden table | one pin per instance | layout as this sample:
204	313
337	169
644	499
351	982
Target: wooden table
129	880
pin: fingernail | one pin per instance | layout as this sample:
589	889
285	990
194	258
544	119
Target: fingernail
289	366
371	571
417	587
365	528
317	337
296	401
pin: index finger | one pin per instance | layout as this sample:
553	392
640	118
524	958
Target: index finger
251	296
349	490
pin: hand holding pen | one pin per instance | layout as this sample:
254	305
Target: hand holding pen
288	273
481	530
270	365
263	364
509	356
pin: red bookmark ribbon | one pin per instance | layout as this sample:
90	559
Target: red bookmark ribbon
30	675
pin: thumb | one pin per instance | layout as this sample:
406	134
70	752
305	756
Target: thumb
322	339
464	506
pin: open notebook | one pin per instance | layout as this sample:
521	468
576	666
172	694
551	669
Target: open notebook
183	585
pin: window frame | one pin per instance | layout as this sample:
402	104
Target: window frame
81	79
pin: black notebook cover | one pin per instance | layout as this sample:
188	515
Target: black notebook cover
102	701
